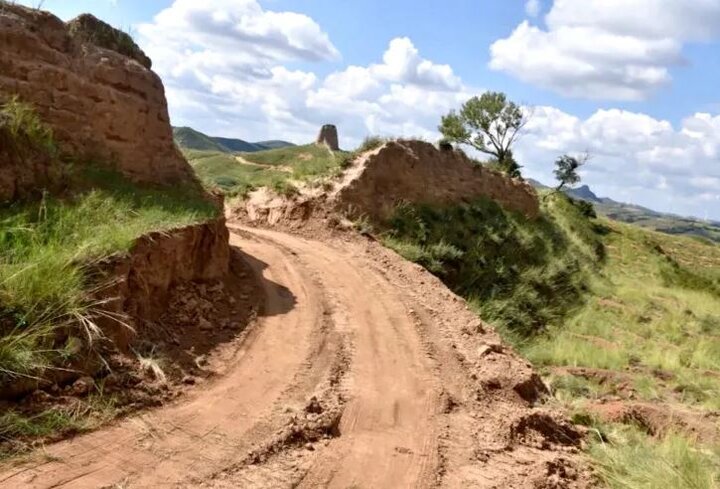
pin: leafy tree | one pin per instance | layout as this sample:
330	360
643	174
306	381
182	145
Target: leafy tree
566	169
489	123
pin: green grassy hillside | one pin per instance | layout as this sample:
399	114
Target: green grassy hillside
188	138
644	217
615	316
277	168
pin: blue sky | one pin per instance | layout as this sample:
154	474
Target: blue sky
631	81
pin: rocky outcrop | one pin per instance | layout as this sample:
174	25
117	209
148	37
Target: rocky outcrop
93	86
329	137
417	172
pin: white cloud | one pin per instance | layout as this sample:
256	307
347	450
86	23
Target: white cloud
239	31
215	59
636	157
532	8
606	49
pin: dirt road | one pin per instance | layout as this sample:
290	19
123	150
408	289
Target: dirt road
363	371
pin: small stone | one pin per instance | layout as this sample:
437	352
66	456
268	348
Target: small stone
81	386
309	446
489	348
111	380
204	324
40	396
188	380
314	406
231	300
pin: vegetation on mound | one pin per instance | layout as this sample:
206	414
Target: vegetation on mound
650	328
49	246
88	28
655	310
525	275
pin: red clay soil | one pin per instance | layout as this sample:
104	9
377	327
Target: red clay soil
362	370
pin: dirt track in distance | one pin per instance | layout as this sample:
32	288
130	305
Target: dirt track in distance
363	371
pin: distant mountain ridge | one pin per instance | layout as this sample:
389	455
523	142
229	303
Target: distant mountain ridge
642	216
189	138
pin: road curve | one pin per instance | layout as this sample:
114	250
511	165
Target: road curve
425	393
387	430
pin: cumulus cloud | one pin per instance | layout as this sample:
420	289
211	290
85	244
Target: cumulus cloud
606	49
636	158
231	58
237	29
403	95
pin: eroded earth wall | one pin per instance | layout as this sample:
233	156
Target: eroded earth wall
101	104
417	172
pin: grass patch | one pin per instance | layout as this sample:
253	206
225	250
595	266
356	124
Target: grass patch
20	432
629	459
223	171
25	129
523	275
49	247
89	29
304	162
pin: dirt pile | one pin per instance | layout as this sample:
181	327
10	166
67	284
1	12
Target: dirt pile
93	86
418	172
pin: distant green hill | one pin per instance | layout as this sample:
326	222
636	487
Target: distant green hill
188	138
644	217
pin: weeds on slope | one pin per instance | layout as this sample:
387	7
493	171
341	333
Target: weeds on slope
524	275
627	458
48	244
652	316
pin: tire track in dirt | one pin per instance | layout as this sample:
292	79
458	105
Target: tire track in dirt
388	427
218	424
